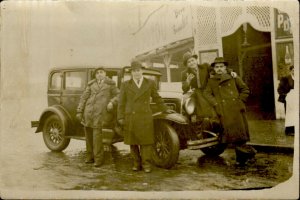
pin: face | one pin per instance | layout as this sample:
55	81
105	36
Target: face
100	74
192	63
220	68
292	71
137	73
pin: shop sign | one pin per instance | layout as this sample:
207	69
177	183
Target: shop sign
283	27
169	24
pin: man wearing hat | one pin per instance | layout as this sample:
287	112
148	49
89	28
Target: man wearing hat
99	98
134	113
228	96
195	77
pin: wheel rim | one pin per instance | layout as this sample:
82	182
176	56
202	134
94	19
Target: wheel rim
163	143
55	132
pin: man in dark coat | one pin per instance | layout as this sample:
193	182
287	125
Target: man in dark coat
228	95
195	77
99	97
135	114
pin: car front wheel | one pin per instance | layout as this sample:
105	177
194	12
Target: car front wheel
54	134
166	147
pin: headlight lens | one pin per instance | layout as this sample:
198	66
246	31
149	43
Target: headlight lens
190	106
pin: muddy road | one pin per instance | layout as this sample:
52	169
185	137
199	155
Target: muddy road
28	165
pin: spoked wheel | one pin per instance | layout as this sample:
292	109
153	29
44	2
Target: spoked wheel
166	147
54	134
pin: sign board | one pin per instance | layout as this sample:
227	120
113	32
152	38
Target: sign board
168	24
283	27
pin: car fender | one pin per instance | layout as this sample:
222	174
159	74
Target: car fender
173	117
60	112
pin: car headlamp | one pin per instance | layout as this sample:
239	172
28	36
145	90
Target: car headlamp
189	106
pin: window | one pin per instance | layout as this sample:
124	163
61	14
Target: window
55	81
75	80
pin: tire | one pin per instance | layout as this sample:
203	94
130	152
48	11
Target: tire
214	150
53	134
166	147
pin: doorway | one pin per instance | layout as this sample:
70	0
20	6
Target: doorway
249	53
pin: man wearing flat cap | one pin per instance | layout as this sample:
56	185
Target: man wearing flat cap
99	97
134	113
195	77
228	96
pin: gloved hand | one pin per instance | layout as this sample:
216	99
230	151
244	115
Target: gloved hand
79	116
233	74
121	122
169	111
109	106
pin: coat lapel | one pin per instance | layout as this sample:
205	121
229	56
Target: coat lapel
144	87
224	77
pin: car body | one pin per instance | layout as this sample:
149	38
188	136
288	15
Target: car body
173	131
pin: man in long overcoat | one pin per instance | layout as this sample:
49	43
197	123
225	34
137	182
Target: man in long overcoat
99	97
135	114
228	95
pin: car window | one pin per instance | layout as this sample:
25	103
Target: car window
75	80
55	83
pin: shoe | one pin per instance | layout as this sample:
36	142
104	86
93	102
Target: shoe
88	161
97	164
244	153
147	169
136	167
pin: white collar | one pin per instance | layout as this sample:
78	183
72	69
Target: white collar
140	83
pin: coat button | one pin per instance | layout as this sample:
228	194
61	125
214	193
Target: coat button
133	112
219	85
223	100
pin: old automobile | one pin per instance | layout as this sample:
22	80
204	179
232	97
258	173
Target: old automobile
173	132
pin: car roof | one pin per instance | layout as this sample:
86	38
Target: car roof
126	68
82	67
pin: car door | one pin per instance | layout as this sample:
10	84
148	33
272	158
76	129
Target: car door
55	88
74	84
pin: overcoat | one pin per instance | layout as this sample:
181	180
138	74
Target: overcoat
203	108
285	85
94	100
134	108
228	95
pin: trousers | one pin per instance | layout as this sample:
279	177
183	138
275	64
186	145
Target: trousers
94	145
141	154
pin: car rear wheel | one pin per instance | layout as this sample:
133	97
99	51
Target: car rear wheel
166	147
54	134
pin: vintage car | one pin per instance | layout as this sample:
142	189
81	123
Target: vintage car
173	132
